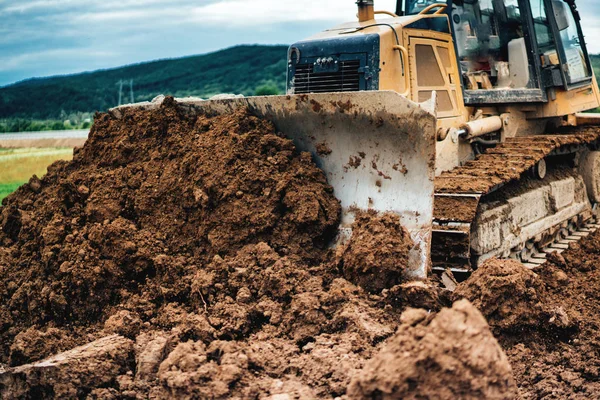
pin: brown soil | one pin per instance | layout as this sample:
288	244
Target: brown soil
149	200
376	255
455	209
547	322
450	356
202	241
323	149
183	256
557	366
513	299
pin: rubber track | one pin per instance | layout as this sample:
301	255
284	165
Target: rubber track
458	192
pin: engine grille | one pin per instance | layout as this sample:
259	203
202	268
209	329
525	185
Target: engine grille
347	79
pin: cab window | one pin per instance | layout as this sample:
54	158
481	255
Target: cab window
491	45
543	31
574	56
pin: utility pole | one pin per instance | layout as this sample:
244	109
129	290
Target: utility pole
131	89
120	83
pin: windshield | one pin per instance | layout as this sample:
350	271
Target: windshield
577	68
416	6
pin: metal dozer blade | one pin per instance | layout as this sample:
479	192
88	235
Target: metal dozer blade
379	152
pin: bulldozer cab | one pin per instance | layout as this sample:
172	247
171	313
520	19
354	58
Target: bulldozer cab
514	51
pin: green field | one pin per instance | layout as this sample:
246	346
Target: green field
18	165
7	188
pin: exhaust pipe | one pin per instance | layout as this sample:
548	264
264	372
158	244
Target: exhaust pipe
366	10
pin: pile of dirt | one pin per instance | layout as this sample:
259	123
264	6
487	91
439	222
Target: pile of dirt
512	298
553	365
450	356
376	255
151	199
188	256
547	321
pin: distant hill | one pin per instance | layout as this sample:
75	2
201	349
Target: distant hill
240	70
247	70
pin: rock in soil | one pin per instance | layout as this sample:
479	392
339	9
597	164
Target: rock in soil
72	374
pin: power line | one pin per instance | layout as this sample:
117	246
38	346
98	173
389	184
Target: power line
120	84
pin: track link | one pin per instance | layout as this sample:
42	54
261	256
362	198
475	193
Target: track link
537	259
459	192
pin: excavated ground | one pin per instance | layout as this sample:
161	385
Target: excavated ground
547	322
184	256
201	243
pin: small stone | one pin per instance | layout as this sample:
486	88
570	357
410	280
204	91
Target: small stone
448	280
35	185
124	323
557	259
561	277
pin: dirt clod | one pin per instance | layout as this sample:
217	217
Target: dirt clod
70	375
451	356
323	149
376	255
511	297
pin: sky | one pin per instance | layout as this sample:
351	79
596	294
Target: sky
56	37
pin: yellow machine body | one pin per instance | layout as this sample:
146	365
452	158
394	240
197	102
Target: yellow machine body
415	61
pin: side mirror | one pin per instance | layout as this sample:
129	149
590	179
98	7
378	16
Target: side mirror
561	14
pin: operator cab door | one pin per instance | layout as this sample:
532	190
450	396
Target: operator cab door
432	68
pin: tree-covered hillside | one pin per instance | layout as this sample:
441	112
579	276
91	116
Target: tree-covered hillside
241	70
596	64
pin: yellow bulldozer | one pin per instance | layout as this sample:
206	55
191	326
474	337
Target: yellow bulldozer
462	117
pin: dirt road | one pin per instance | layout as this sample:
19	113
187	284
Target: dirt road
70	138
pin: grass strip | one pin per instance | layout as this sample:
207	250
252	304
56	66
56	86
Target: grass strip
8	188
